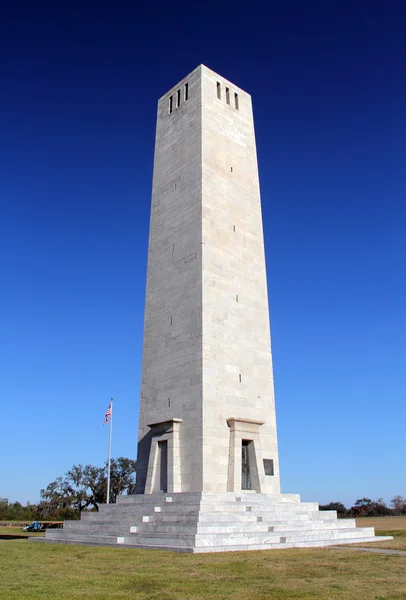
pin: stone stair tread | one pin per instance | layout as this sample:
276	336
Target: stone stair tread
239	547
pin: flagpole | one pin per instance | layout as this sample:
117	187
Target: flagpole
109	459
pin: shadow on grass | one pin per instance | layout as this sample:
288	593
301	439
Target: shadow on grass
16	536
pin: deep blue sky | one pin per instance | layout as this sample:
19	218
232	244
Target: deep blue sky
79	84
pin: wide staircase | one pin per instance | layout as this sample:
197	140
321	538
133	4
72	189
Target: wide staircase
210	522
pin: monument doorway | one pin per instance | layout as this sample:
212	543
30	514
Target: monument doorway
163	466
162	449
245	465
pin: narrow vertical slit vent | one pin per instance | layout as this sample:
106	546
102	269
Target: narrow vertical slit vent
171	320
236	102
231	169
233	227
228	95
218	90
236	298
178	99
170	107
169	402
186	91
240	377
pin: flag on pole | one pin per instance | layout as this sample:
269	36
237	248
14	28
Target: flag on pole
107	415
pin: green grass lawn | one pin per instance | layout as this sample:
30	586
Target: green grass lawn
398	542
62	572
395	526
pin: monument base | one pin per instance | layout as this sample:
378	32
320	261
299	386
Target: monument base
210	522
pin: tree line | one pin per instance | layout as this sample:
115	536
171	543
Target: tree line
81	488
365	507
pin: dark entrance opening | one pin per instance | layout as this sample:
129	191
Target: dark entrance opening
163	466
245	465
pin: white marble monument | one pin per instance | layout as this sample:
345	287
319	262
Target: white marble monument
207	465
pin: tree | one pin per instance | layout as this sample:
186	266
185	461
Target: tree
399	505
381	509
363	502
365	507
89	484
57	500
338	506
16	511
85	487
122	477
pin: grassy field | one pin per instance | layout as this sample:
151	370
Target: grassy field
382	523
395	526
32	571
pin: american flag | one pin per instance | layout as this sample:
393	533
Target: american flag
107	415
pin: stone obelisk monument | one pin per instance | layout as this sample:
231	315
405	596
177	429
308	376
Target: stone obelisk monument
207	421
207	465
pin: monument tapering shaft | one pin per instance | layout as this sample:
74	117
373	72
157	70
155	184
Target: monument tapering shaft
207	419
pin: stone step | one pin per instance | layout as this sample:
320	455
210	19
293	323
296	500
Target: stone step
231	539
265	538
291	536
181	528
324	515
294	510
284	524
129	542
203	539
174	517
183	498
205	528
291	525
226	528
232	507
196	497
268	498
284	545
168	519
242	517
160	524
327	534
84	538
265	512
186	540
247	525
213	507
271	515
245	516
90	532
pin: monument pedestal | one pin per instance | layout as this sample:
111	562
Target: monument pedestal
212	522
